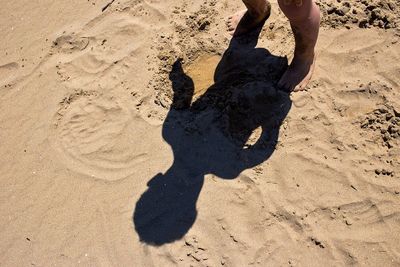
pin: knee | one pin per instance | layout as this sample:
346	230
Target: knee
296	10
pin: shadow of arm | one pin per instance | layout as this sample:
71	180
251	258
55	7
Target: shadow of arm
182	87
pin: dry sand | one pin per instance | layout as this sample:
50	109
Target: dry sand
138	134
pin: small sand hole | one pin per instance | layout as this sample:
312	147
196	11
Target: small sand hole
202	73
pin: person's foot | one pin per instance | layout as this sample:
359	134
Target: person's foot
304	21
298	74
244	21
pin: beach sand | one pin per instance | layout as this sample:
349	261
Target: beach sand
139	133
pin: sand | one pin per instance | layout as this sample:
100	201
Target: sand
138	133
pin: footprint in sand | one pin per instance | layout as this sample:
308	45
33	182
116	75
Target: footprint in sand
68	44
91	134
111	39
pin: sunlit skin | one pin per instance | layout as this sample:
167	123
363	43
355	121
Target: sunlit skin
304	18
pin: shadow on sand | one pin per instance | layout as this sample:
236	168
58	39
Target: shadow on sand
210	135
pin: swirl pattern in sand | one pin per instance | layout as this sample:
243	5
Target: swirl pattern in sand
92	133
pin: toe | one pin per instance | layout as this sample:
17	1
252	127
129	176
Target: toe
232	32
297	89
231	27
300	87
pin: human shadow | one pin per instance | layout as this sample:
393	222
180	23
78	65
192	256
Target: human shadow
210	135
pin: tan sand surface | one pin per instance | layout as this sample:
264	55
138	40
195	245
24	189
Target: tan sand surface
138	133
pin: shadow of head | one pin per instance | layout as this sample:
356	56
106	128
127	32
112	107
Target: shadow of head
233	126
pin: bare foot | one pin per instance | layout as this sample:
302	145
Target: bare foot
243	22
304	21
298	74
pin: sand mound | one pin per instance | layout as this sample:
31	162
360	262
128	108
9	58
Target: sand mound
386	122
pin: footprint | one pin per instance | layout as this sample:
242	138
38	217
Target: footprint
83	70
113	39
147	12
93	136
355	102
68	44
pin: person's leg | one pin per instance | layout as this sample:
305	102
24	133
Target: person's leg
246	20
304	17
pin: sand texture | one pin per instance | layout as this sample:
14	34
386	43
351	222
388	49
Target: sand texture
139	133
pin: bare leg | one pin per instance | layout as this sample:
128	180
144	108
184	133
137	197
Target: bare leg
304	17
246	20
